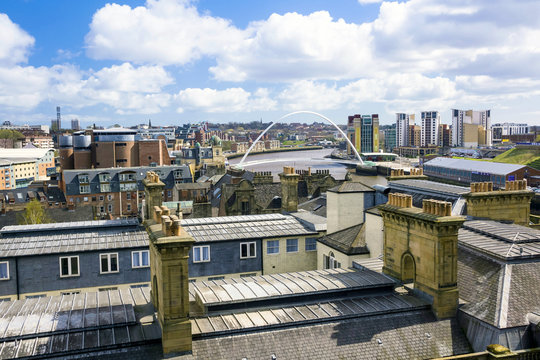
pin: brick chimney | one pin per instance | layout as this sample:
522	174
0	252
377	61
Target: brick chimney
289	189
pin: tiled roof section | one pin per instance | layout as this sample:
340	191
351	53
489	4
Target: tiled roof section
302	314
54	227
244	227
498	240
373	264
479	280
76	323
265	193
499	294
411	335
477	166
350	186
344	241
316	206
90	240
524	293
286	285
426	185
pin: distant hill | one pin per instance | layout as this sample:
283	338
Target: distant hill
523	156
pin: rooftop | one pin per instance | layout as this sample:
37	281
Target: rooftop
23	154
475	166
349	241
351	187
244	227
92	224
426	185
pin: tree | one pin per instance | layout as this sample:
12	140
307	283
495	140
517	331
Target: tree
33	214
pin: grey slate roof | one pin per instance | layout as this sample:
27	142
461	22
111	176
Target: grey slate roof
345	241
76	323
407	335
350	186
244	227
265	193
60	238
316	206
498	240
313	221
477	166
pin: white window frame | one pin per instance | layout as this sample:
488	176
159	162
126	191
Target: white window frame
109	255
139	255
69	266
7	269
84	189
249	255
268	247
287	245
200	250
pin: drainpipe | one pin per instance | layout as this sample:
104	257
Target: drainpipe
17	276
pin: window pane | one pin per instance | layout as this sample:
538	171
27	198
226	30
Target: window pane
74	266
64	266
196	254
252	249
145	261
4	271
104	264
243	250
135	259
114	262
206	253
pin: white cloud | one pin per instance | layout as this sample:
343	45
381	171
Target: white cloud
23	87
364	2
162	32
228	100
15	43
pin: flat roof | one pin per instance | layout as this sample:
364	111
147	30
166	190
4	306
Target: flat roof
429	186
91	224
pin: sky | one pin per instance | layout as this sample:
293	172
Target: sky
181	61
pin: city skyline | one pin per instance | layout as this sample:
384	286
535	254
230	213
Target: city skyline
183	61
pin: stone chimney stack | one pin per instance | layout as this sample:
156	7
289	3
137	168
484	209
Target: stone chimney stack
513	203
201	207
420	246
169	251
289	189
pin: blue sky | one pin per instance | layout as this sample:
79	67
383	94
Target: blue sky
178	61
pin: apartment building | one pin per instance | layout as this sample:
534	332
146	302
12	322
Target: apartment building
471	128
19	167
404	122
507	129
430	128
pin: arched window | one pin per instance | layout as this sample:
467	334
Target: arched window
330	261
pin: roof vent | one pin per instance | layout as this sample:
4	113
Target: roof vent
379	341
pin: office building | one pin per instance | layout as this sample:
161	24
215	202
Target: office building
363	131
403	129
19	167
75	124
471	128
498	131
430	128
445	135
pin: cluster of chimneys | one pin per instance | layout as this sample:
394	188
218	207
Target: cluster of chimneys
430	206
263	173
170	224
201	199
509	186
401	172
437	207
288	170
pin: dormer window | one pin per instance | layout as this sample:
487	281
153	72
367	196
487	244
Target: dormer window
105	177
83	179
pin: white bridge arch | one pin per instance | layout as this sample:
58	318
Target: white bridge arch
301	112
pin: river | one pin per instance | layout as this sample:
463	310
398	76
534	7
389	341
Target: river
302	160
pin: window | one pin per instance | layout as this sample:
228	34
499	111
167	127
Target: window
128	196
311	244
292	245
272	247
109	197
140	259
74	292
101	197
247	250
84	189
105	187
69	266
102	209
4	270
201	253
245	207
110	208
108	263
83	179
128	207
128	186
104	177
330	262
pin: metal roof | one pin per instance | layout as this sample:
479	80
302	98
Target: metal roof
23	154
92	224
475	166
503	241
75	323
244	227
285	285
428	186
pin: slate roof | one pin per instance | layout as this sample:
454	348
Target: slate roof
475	166
316	206
244	227
80	213
75	324
344	241
351	187
24	240
265	193
407	335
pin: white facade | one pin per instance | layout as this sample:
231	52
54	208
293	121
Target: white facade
430	128
460	117
403	121
498	130
153	132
